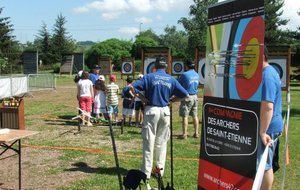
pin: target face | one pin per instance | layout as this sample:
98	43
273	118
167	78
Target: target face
201	70
177	67
127	68
149	65
251	39
280	65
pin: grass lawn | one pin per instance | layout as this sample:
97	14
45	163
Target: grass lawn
59	158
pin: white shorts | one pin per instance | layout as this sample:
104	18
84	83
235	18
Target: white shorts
128	112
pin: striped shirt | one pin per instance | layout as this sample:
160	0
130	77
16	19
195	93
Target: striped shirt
112	94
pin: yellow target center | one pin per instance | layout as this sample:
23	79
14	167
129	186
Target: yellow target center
250	58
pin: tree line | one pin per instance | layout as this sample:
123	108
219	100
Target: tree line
51	45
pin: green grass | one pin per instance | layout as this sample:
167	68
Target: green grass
52	119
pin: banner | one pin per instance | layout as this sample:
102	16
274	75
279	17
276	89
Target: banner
232	95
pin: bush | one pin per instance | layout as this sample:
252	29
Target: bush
56	67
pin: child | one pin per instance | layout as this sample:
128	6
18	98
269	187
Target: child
85	94
100	97
139	107
128	101
112	101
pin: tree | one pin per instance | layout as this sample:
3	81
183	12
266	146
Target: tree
273	35
176	40
61	42
196	24
114	48
146	38
43	42
9	51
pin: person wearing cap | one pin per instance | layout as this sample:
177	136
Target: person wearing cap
112	99
271	122
189	106
139	106
128	102
100	97
159	87
94	76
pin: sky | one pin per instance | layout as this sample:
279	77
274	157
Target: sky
98	20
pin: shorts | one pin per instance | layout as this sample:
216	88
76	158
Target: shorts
112	109
139	106
261	148
85	103
128	112
189	106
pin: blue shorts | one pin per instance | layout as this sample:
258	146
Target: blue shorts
112	109
261	148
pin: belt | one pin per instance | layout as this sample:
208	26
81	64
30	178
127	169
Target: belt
192	94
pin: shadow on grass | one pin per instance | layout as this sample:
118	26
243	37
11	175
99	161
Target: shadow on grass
63	120
83	167
295	112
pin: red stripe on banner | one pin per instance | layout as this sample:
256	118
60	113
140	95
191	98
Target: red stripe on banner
212	176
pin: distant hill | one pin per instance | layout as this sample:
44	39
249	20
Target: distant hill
85	43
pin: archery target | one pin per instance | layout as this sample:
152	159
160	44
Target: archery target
201	70
149	65
127	68
177	67
251	60
280	65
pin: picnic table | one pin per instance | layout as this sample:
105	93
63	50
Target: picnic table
8	138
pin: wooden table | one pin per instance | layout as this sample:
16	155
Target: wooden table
13	136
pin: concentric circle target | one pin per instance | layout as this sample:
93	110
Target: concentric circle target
278	68
250	59
150	67
127	67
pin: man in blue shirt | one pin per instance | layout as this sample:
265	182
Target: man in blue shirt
159	87
94	76
271	123
189	106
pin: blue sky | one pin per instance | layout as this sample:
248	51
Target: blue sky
97	20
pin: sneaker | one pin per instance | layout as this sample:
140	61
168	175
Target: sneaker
196	135
184	137
89	124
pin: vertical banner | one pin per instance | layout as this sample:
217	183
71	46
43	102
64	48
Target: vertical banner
149	55
232	95
78	62
30	62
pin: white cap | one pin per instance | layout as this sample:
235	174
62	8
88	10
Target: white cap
140	76
101	77
80	73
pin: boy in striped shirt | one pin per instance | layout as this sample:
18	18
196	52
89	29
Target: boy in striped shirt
112	98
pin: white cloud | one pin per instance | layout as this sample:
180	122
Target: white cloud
128	30
143	20
81	10
290	12
114	8
139	5
110	15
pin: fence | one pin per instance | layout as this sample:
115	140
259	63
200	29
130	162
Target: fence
18	85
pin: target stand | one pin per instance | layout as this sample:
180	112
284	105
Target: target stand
149	55
128	67
105	65
177	66
280	59
200	63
